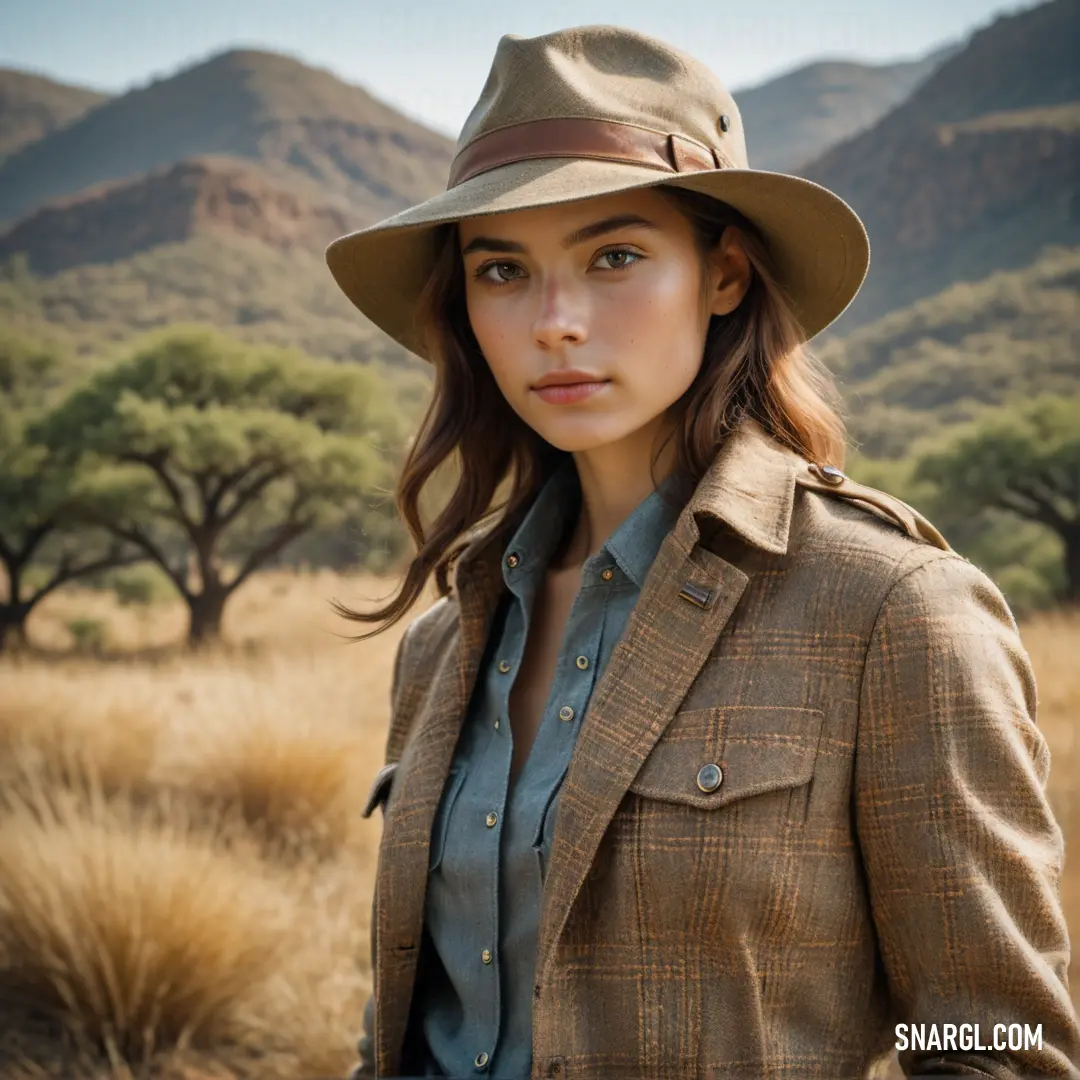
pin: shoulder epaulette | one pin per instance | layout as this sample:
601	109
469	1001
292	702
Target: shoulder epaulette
829	480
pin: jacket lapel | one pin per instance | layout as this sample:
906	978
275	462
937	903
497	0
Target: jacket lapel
669	636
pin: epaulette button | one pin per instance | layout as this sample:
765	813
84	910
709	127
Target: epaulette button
831	474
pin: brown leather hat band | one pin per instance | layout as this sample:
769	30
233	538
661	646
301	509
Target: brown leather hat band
607	140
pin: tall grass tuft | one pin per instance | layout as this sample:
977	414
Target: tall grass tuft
291	778
131	933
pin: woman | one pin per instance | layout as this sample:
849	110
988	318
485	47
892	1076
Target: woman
708	761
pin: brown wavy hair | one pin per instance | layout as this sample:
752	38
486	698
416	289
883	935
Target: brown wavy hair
755	364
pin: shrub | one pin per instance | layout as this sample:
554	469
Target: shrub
140	586
88	635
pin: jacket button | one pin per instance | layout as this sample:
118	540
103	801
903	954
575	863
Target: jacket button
566	713
513	559
557	1068
709	777
831	474
481	1060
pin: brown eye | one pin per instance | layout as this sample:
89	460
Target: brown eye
484	273
622	257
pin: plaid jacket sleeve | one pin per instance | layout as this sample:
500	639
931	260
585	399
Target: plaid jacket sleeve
365	1044
962	852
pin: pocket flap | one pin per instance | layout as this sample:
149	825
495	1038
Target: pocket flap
380	789
756	749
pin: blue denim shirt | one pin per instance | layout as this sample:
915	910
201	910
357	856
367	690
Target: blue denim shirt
490	842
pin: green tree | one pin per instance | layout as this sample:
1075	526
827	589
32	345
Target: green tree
1024	460
41	528
213	456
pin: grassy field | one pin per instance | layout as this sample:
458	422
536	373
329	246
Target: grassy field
184	878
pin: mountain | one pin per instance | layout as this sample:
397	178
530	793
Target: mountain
116	220
307	129
793	119
32	107
976	171
939	361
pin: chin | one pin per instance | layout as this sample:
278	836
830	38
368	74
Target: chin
574	438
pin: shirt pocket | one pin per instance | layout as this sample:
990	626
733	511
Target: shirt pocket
441	827
754	762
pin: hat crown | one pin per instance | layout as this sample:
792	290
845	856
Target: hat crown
606	73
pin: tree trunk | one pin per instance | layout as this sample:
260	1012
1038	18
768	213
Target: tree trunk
13	626
1072	565
207	609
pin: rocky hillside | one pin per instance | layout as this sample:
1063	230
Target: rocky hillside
32	107
199	196
793	119
977	170
304	127
920	369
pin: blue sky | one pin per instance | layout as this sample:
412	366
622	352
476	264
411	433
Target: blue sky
429	58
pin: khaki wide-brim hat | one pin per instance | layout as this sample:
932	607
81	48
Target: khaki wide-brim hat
594	110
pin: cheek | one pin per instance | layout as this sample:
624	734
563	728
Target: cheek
660	335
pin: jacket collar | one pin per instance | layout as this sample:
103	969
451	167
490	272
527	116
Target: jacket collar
750	487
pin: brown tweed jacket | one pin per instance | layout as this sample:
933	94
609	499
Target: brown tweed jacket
880	849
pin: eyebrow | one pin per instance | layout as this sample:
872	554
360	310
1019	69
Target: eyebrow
586	232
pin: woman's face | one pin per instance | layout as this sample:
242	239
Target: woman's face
606	291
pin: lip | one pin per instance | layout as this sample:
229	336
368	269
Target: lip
566	377
567	393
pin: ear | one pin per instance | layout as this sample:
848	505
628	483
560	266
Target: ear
729	272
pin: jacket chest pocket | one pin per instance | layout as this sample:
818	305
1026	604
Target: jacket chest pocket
754	763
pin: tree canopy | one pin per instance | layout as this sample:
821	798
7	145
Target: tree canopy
211	456
1023	459
40	521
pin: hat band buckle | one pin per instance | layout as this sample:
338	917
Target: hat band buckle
582	137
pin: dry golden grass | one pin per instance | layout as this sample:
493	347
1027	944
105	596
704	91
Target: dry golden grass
184	877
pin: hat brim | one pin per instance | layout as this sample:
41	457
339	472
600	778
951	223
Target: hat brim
819	244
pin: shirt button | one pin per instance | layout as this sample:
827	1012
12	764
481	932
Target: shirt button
582	662
504	666
491	820
709	777
512	560
566	713
481	1060
607	574
486	956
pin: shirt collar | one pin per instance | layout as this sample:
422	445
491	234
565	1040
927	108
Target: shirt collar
535	540
632	546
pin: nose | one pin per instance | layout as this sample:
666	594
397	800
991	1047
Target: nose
560	318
